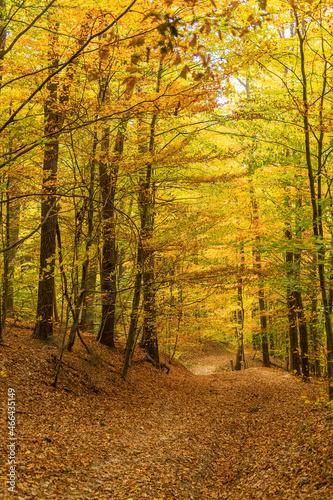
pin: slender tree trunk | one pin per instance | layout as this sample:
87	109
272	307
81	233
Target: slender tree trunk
12	233
302	327
315	337
263	326
291	304
149	340
240	357
261	291
108	173
89	268
303	335
108	177
3	35
54	116
317	222
87	322
132	332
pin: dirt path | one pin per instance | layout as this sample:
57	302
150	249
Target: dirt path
206	364
254	434
230	436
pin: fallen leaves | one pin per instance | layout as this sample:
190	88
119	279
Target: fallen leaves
164	437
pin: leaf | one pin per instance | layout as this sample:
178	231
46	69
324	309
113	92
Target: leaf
137	41
155	14
198	76
184	72
104	52
178	59
130	81
133	69
193	42
135	58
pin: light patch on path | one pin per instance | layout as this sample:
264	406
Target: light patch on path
220	362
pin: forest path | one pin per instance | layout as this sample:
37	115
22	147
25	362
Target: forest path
253	434
229	436
220	361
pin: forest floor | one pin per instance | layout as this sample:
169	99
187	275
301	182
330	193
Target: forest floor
256	434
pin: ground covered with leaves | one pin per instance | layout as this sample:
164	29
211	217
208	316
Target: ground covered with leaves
255	434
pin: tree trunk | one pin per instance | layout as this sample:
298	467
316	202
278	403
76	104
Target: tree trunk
12	234
240	357
291	305
314	335
261	291
303	335
316	197
89	267
44	322
263	327
149	340
108	173
132	332
302	327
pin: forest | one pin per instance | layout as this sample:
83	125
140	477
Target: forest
166	211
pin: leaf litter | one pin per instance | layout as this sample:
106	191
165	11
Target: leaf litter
255	434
